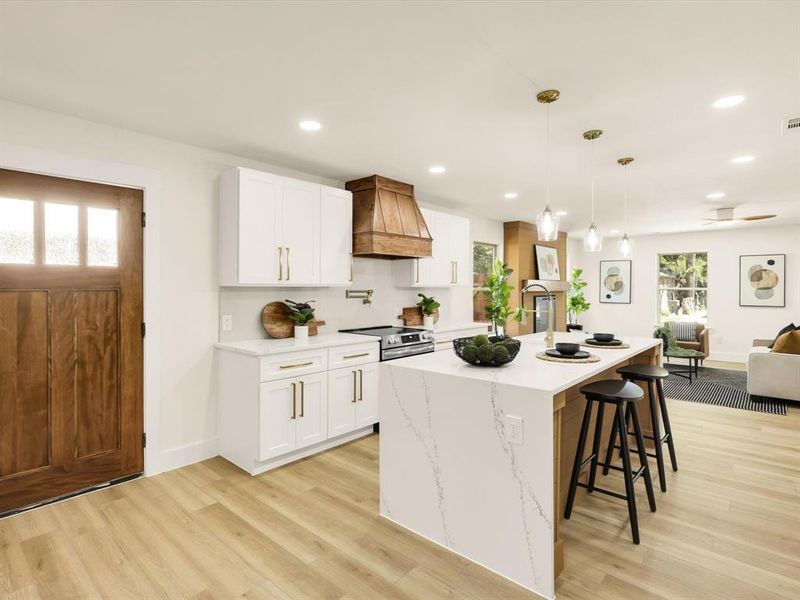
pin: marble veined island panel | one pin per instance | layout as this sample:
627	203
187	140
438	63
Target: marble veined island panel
472	458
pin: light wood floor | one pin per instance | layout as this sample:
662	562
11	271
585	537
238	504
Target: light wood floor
729	527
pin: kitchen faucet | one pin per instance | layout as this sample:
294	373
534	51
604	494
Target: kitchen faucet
549	338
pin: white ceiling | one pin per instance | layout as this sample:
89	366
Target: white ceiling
402	86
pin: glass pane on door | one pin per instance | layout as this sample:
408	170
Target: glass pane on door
16	231
60	234
102	237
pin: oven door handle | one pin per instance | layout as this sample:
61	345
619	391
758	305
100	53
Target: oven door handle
407	351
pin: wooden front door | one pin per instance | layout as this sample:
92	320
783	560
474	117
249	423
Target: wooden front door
70	336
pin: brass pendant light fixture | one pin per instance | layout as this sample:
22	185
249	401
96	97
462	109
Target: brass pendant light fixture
592	238
625	245
546	221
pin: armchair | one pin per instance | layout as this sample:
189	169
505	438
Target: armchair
699	340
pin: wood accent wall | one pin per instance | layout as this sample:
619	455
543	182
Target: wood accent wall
519	239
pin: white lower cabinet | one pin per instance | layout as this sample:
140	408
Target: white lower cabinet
272	410
352	398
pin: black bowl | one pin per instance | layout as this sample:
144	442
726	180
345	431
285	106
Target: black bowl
604	337
496	359
567	348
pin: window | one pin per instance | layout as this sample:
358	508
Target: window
60	234
101	245
683	287
16	231
483	256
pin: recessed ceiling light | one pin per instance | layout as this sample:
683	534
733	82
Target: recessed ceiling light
715	195
510	195
437	169
740	160
614	231
562	213
310	125
728	101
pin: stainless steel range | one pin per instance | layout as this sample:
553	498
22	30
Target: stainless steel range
398	342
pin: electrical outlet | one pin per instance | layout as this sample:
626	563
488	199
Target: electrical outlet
227	322
514	431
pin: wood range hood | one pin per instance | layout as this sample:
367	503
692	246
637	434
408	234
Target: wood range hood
387	223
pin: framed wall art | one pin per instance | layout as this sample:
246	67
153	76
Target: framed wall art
615	281
762	280
547	263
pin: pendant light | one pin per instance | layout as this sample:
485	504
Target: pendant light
592	239
546	221
625	245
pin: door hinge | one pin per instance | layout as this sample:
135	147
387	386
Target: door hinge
144	329
144	219
144	440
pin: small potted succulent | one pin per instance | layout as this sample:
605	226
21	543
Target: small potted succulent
428	305
301	313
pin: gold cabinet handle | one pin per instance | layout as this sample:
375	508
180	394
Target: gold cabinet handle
298	365
360	385
351	266
442	341
302	399
294	403
288	266
416	265
455	271
348	356
280	263
355	387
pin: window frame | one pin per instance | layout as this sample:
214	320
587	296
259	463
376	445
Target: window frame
477	289
659	289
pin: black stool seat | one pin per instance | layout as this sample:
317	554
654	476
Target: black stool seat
653	375
613	389
642	372
622	396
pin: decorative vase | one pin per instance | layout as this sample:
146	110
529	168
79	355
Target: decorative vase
427	321
301	333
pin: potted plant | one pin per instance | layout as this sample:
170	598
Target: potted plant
428	305
301	313
576	301
498	292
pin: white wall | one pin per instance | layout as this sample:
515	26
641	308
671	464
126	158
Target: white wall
189	295
733	327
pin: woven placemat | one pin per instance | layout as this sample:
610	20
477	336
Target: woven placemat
589	359
616	346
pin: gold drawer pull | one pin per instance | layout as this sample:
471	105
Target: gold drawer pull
360	385
441	341
302	399
355	387
294	400
298	365
357	355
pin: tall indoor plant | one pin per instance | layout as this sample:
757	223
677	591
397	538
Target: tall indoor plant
498	293
576	300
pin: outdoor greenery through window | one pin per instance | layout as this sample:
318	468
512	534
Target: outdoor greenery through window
683	287
483	256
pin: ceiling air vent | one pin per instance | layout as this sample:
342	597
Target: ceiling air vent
790	126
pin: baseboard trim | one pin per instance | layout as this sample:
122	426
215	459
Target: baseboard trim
735	357
181	456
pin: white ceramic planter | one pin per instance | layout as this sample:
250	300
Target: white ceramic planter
301	333
427	321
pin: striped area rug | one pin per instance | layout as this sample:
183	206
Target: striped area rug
709	392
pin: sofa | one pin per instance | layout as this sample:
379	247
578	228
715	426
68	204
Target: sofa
772	374
698	340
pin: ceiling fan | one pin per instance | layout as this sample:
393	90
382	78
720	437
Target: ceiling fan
725	216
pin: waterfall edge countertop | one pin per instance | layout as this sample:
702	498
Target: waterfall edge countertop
269	346
472	458
528	371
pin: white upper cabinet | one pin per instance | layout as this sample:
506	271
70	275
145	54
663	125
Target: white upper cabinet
451	262
336	225
275	231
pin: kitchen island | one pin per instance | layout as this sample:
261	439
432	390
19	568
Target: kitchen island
478	459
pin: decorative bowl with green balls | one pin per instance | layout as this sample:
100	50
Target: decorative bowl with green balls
487	351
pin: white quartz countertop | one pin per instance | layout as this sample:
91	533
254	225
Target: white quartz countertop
267	346
527	370
457	326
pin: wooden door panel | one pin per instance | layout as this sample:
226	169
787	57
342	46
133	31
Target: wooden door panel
24	400
71	351
97	371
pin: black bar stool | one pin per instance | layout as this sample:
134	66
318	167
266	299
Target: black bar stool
654	376
619	393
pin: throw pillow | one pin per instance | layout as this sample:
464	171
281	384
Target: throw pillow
788	343
789	327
